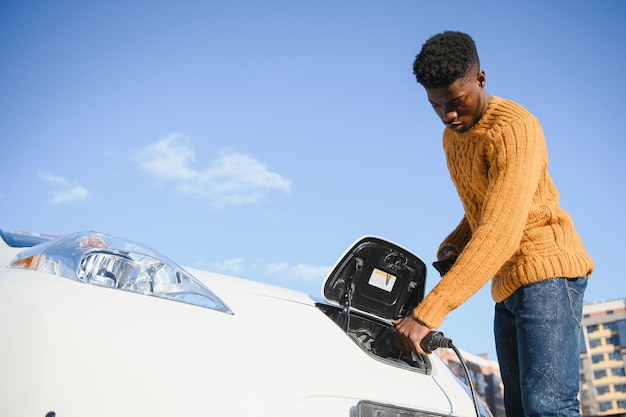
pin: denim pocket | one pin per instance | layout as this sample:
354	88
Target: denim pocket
575	292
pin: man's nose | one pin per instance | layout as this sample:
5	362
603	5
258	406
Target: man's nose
450	116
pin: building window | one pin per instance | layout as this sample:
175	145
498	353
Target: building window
594	343
613	340
621	404
599	374
610	326
615	356
602	390
593	328
606	405
618	372
619	387
597	358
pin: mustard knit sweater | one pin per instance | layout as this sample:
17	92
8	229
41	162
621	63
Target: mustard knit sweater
513	231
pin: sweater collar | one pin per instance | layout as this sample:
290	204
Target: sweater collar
485	119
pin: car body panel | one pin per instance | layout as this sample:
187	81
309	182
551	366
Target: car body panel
78	349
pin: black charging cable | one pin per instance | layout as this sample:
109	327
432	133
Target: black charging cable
435	340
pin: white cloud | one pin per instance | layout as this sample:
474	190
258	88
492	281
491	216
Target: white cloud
229	267
168	158
284	272
302	277
231	179
64	190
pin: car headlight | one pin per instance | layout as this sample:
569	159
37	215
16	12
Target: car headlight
108	261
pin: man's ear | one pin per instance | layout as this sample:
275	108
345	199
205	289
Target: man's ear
481	78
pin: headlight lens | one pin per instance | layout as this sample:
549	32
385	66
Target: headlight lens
108	261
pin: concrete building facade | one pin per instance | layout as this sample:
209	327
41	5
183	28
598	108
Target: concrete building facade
602	359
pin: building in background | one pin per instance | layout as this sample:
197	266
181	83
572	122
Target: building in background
602	359
485	374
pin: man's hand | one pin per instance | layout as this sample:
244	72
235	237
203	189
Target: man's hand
410	332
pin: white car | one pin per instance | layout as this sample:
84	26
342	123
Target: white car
96	325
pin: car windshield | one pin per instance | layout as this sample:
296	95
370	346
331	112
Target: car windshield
23	239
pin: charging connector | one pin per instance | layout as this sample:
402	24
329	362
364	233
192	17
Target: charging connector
435	340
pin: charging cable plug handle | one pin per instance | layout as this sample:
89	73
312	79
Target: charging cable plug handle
435	340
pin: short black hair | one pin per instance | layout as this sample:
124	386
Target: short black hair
444	58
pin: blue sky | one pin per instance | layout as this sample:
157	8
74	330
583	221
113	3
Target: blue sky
261	138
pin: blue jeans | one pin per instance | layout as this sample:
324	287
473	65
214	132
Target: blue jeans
538	331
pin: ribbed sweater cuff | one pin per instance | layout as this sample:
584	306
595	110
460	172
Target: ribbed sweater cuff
432	312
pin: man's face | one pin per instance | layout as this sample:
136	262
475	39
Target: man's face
461	104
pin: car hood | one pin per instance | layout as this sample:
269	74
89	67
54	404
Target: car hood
88	350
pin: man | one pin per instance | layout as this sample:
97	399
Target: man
513	233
